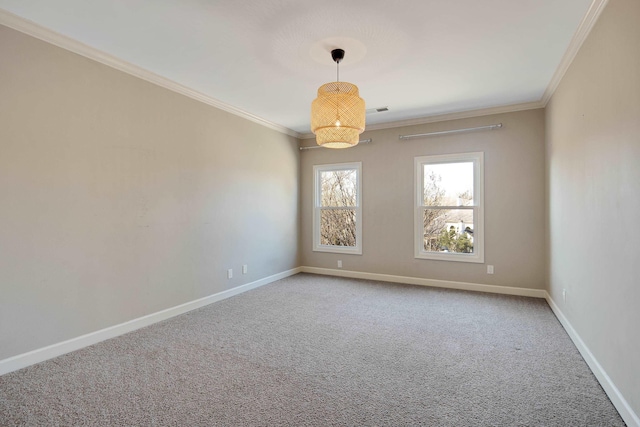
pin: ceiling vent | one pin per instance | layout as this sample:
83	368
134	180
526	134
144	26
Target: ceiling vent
377	110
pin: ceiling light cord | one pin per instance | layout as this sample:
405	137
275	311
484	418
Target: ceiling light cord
337	57
338	89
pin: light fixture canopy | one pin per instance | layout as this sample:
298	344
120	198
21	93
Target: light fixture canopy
338	113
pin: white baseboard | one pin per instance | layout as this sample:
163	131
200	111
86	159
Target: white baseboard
40	355
526	292
621	404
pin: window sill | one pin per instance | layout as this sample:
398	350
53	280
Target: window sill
442	256
338	250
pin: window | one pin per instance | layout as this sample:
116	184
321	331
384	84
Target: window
449	207
337	214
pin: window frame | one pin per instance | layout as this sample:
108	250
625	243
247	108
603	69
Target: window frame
317	208
477	158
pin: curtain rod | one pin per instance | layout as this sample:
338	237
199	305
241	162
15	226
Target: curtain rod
445	132
313	147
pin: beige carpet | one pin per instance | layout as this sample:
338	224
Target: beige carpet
313	350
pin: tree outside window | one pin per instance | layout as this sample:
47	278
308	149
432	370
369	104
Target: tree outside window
449	207
337	212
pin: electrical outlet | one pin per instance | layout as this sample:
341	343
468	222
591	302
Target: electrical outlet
230	273
245	268
489	269
339	263
564	295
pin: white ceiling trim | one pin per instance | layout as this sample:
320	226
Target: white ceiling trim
31	28
18	23
585	27
450	116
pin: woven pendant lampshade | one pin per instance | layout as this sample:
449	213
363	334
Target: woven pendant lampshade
338	113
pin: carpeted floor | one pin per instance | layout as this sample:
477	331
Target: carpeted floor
323	351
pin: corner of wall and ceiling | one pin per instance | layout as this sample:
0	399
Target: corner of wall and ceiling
585	27
25	26
510	108
35	30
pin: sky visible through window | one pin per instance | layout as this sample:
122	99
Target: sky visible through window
456	178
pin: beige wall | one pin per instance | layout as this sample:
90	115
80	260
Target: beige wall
514	201
120	198
593	174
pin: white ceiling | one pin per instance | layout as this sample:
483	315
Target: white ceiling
268	57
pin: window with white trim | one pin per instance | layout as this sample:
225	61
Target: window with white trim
337	213
449	209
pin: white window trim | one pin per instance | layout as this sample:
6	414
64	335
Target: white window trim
478	217
317	247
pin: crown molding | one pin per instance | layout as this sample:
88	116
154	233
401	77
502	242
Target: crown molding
25	26
35	30
450	116
585	27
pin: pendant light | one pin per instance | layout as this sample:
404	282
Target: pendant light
338	113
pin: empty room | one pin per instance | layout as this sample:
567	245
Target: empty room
285	212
